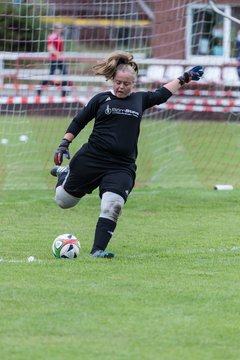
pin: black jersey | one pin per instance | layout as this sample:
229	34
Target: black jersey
117	120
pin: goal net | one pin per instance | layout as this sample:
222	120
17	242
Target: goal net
193	140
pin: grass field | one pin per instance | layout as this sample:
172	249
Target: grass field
172	291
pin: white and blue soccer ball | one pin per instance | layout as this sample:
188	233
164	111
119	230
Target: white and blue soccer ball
66	246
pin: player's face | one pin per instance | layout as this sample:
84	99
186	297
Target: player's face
123	83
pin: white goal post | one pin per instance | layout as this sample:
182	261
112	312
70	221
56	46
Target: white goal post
220	12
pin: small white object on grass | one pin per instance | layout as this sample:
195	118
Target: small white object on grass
223	187
4	141
23	138
31	259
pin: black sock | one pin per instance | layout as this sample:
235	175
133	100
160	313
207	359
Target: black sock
103	233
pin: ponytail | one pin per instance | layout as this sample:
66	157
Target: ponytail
118	60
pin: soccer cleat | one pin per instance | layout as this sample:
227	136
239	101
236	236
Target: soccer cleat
58	170
103	254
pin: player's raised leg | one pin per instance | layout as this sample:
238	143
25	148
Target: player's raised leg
62	197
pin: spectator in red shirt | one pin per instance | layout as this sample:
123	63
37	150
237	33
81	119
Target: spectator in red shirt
55	46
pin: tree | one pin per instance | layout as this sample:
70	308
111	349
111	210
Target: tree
21	28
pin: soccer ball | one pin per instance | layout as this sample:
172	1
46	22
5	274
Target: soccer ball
66	246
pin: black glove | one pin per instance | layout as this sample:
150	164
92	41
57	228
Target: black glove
62	150
193	74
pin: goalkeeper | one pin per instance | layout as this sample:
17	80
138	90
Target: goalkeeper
108	160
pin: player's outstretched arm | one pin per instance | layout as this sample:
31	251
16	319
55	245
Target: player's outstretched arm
193	74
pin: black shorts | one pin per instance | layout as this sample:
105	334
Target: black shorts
90	170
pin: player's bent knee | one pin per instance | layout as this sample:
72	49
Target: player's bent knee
111	206
65	200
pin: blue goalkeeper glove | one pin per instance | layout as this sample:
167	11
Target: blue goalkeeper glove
193	74
62	150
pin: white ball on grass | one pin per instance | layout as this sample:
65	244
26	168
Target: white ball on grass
4	141
23	138
31	258
66	246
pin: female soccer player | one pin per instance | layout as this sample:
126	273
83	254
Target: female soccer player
108	160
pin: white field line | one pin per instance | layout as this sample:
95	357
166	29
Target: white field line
233	249
19	261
